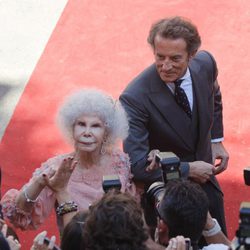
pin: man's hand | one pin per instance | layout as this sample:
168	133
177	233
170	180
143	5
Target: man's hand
151	158
219	153
200	171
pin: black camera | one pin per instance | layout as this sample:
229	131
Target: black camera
242	240
170	165
243	232
47	241
111	182
246	173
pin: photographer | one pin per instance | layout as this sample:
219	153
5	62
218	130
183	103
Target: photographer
183	210
116	222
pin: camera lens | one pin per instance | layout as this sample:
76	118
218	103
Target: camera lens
156	191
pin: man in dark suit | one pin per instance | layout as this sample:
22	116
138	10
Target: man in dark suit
191	127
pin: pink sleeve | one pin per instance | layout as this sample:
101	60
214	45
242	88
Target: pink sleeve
41	210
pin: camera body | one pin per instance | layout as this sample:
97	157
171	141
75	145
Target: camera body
170	165
243	232
111	182
242	240
47	241
246	174
244	227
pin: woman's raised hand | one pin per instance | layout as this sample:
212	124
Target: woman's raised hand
58	180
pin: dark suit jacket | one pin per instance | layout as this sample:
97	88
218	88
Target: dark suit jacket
157	122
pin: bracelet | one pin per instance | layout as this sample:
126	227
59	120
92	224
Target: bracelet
212	231
27	197
66	207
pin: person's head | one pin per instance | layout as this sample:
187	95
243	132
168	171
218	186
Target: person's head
184	209
92	121
174	42
72	237
115	222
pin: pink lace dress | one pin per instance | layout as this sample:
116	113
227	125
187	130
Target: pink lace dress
84	187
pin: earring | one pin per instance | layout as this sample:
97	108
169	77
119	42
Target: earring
103	147
103	150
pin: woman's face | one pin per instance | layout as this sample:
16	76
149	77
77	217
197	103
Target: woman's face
88	133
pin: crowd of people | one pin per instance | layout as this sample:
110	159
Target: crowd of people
174	105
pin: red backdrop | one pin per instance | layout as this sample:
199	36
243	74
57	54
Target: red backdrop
104	46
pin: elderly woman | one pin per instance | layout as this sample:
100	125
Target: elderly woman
93	122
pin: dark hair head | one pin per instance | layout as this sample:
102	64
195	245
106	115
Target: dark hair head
115	222
72	237
174	28
184	209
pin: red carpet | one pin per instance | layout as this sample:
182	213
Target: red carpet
104	46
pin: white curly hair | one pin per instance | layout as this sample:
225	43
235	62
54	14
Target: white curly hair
93	102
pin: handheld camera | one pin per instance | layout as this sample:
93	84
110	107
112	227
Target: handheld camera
170	165
111	182
243	233
47	242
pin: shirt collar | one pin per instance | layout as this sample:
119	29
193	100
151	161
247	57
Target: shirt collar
186	75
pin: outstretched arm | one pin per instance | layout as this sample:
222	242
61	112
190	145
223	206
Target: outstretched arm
58	183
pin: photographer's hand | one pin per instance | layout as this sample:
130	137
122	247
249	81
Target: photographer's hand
151	158
41	244
200	171
219	153
177	243
13	243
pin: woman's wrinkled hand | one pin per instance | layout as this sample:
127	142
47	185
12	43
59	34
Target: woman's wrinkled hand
58	180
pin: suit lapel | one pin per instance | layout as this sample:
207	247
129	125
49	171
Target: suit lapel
200	93
164	101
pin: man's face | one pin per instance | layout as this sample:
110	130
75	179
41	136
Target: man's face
171	58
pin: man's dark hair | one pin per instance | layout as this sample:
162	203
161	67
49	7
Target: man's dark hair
184	209
115	222
72	237
174	28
